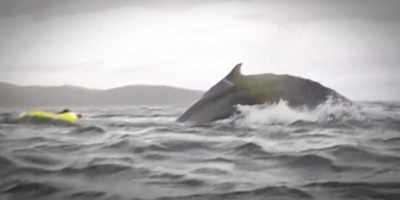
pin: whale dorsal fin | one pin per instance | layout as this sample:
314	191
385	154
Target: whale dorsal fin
225	84
236	71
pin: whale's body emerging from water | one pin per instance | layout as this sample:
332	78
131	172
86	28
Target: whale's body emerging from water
220	101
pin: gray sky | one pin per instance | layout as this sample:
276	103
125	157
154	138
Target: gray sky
350	46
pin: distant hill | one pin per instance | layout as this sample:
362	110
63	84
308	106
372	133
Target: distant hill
14	95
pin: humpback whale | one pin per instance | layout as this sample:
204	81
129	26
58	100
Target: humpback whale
220	101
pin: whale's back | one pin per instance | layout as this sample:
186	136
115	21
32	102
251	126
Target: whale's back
296	91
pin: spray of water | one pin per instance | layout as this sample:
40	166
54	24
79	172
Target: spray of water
282	114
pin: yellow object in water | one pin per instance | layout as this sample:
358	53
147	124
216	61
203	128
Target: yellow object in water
67	117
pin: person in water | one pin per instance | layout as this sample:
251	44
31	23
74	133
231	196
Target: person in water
63	111
68	111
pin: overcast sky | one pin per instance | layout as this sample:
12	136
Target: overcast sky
350	46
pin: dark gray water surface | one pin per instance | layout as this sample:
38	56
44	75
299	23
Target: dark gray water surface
334	152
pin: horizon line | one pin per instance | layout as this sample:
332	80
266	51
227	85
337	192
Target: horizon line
100	89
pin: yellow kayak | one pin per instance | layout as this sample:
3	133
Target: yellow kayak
67	117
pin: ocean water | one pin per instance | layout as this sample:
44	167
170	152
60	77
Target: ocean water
267	152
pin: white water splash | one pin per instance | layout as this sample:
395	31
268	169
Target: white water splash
282	114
